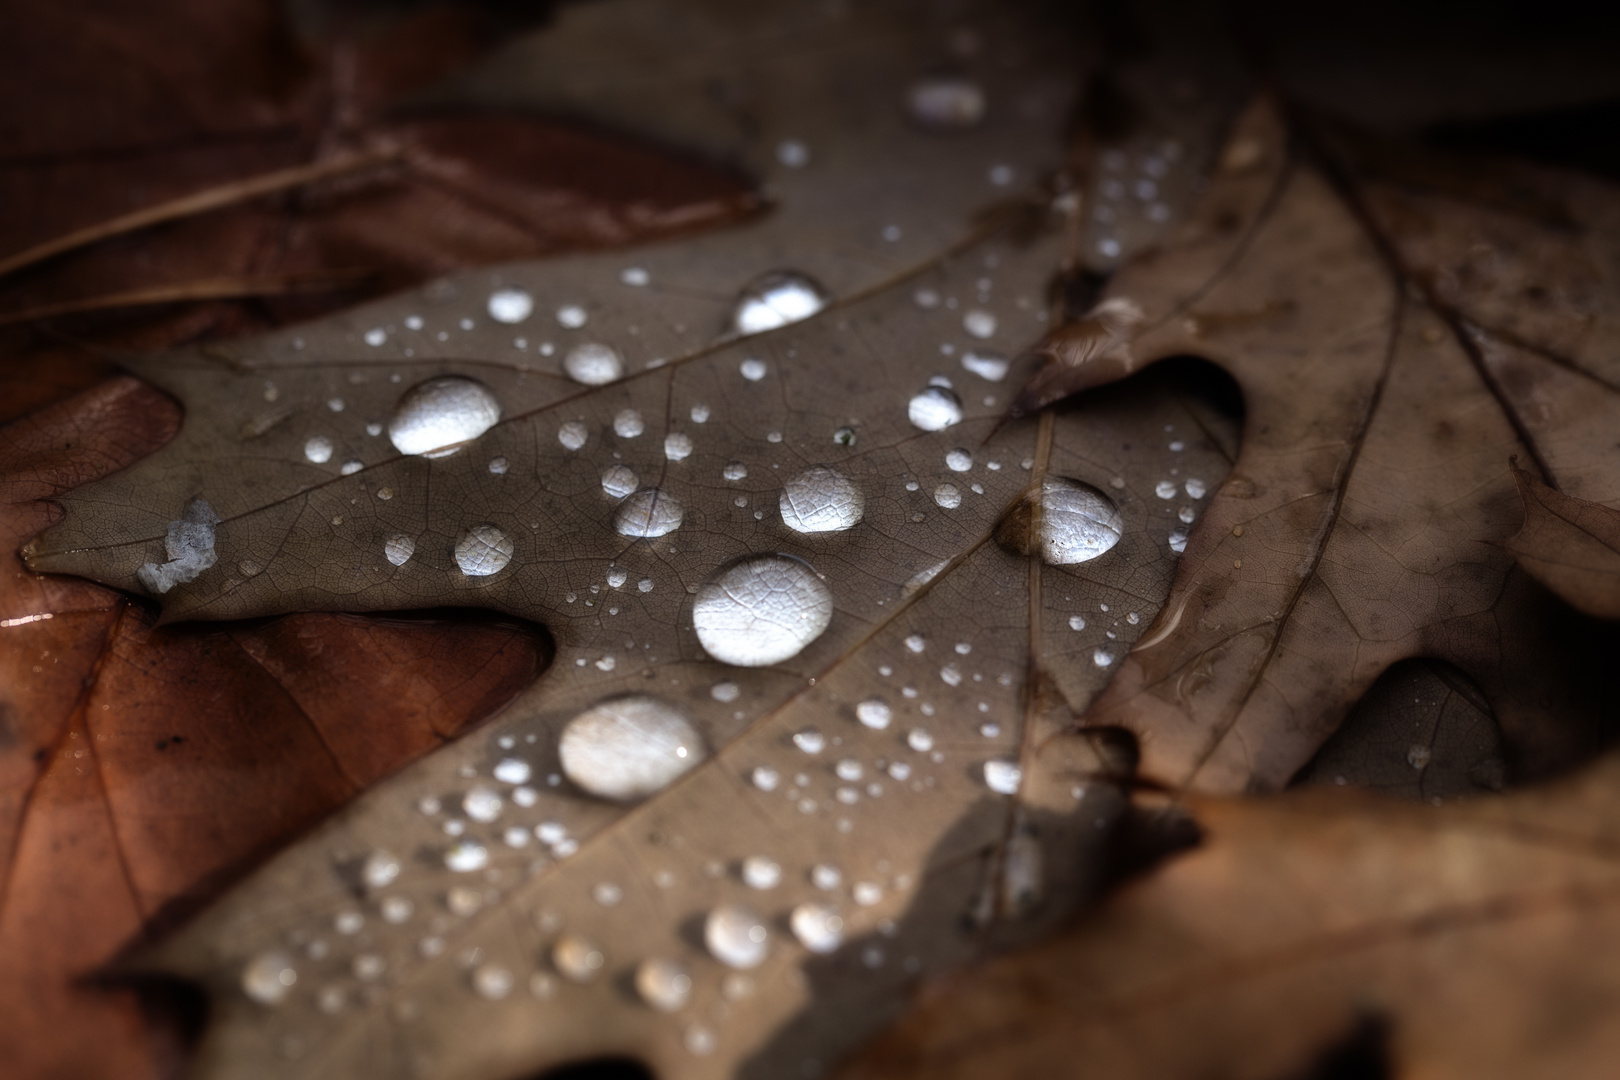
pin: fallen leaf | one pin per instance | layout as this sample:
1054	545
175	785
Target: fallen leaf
1569	545
146	769
927	609
1363	520
1312	929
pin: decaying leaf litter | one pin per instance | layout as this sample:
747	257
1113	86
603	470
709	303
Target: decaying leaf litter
617	871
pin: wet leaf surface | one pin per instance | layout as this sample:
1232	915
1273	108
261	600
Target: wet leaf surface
1569	545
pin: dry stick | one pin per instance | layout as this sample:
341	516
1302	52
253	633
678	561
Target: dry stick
188	205
225	288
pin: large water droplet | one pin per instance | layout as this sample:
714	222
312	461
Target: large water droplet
652	512
935	409
945	102
510	305
819	927
736	936
436	417
483	551
576	958
761	610
777	299
269	977
820	500
663	984
593	363
629	747
1078	523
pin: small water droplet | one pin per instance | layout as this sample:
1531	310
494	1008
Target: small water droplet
850	769
483	551
810	741
376	336
1003	777
1417	755
758	872
572	435
820	500
1103	655
874	713
268	977
985	365
635	276
396	909
826	876
653	512
935	409
435	418
947	496
725	691
761	610
920	740
700	414
765	779
481	804
1195	488
699	1040
380	869
866	893
1165	489
1077	622
351	467
513	771
677	446
663	984
776	299
959	460
793	153
979	323
1178	540
819	927
945	102
736	936
735	471
571	316
1001	175
499	465
492	981
619	481
510	305
318	449
576	958
465	856
607	894
630	747
399	549
627	424
593	363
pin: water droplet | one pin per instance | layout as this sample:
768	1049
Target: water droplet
498	466
348	922
399	549
699	1040
826	877
920	740
1195	488
979	323
436	417
318	449
593	363
866	893
465	856
576	958
947	496
874	713
1077	622
1165	489
663	984
725	691
777	299
1003	777
635	276
512	771
761	610
630	747
735	471
652	512
1001	175
677	447
368	966
820	500
483	551
607	894
959	460
1417	755
810	741
793	153
572	435
1102	656
268	977
628	424
758	872
571	316
510	305
379	870
396	909
1178	540
945	102
850	769
986	366
1078	523
375	336
935	409
736	936
819	927
765	779
492	981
